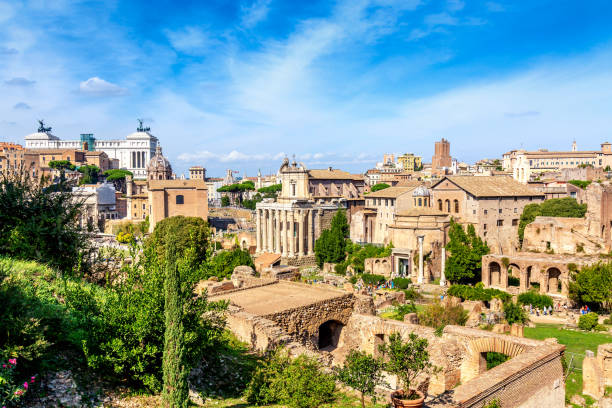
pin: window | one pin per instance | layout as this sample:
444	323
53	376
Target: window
144	206
473	211
515	222
516	210
484	227
420	202
486	212
500	210
447	202
180	199
500	223
293	190
440	205
456	202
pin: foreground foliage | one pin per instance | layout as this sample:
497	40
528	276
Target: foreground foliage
437	315
362	372
38	223
295	383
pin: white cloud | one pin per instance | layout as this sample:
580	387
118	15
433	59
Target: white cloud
98	87
6	11
256	12
441	19
190	40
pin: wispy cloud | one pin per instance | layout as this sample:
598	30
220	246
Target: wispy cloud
8	51
521	114
254	13
22	105
231	157
190	40
455	5
19	82
495	7
98	87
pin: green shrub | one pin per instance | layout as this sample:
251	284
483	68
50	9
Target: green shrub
513	281
478	292
412	293
437	315
340	268
588	321
494	359
401	283
296	383
379	186
535	299
402	310
607	320
222	265
592	286
362	372
371	279
514	313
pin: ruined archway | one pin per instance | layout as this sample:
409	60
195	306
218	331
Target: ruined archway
329	335
554	280
514	275
475	361
494	274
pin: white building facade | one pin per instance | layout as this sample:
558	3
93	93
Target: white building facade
134	152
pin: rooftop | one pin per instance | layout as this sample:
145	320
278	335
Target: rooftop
390	192
490	186
333	174
265	300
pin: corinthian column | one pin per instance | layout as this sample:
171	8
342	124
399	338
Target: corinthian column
258	230
310	233
443	264
277	246
420	277
291	234
284	232
301	251
270	232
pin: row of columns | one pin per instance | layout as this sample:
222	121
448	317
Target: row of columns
277	231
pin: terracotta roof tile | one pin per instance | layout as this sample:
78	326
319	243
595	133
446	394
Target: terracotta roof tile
333	174
491	186
390	192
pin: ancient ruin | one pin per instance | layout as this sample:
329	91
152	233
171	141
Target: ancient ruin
327	322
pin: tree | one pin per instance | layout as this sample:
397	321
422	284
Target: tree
187	233
379	186
40	223
222	265
90	174
331	244
406	359
176	391
514	313
466	251
225	201
61	165
117	177
592	286
340	224
362	372
556	207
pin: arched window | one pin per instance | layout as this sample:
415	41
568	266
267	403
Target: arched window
180	199
447	202
420	202
456	202
440	205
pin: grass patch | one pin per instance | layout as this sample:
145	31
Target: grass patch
575	341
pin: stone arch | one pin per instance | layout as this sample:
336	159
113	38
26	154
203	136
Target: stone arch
515	270
554	280
329	335
475	362
494	274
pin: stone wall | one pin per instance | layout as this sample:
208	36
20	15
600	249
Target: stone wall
562	236
597	371
303	322
378	266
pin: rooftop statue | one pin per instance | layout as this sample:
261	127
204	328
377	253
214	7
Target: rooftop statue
42	128
140	128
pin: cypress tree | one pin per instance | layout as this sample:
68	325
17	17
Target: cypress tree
176	391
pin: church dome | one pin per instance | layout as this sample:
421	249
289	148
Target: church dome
159	167
420	191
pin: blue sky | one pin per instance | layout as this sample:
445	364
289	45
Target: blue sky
240	84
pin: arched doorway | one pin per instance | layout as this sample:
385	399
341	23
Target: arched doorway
329	335
494	274
554	280
514	275
483	352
